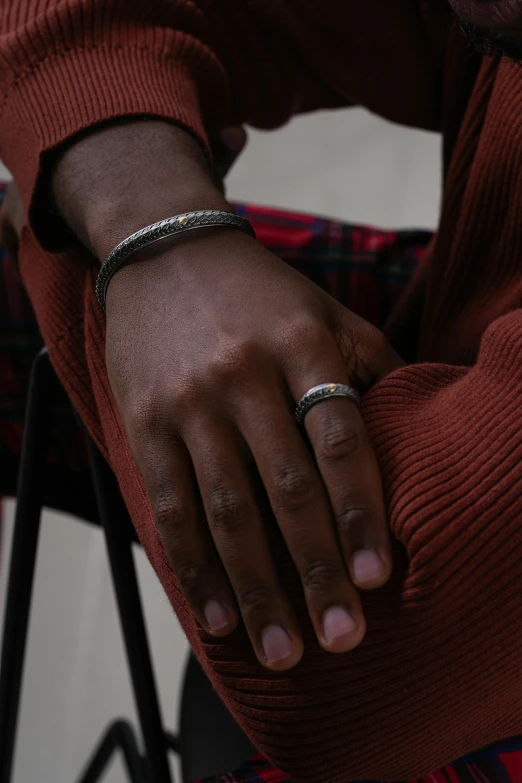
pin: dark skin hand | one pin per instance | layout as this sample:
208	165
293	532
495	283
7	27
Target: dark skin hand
210	341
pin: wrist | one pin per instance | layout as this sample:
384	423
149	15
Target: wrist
159	231
126	176
107	228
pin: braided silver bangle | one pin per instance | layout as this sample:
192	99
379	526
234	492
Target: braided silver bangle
173	225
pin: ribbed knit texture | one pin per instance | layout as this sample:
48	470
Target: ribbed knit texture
439	673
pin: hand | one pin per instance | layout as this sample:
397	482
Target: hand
12	219
210	342
209	345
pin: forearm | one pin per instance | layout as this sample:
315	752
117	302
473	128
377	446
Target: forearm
127	175
69	66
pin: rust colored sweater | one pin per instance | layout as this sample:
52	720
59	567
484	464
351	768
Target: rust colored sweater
440	670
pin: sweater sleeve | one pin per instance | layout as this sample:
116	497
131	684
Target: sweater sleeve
69	64
438	673
449	442
66	65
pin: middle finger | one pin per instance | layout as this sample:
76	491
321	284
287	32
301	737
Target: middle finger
237	529
301	506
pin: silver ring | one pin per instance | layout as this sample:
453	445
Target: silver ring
321	392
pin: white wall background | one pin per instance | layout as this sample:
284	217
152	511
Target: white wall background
344	164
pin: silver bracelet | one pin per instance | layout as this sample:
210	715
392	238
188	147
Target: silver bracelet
173	225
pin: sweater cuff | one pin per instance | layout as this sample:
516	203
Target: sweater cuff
73	91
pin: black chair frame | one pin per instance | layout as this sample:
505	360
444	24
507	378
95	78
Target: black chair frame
204	749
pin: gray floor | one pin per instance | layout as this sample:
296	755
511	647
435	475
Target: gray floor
344	164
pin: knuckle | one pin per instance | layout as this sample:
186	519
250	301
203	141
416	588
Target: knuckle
353	522
253	597
186	396
145	414
319	575
341	439
293	487
233	362
228	511
169	515
192	578
306	332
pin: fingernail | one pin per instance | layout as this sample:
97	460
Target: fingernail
337	622
367	566
276	643
216	615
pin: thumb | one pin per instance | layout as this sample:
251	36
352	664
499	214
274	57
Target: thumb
368	354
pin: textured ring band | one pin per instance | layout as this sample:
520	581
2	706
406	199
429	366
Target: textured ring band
173	225
321	392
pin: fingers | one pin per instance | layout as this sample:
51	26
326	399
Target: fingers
348	466
330	511
240	539
300	503
169	477
325	491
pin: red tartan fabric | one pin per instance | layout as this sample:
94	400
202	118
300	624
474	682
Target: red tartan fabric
364	268
500	763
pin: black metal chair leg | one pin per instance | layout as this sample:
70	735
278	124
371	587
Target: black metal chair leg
36	440
119	533
119	736
113	514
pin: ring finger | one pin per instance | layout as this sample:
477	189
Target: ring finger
347	463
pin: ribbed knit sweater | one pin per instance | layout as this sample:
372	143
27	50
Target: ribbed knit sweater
439	673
